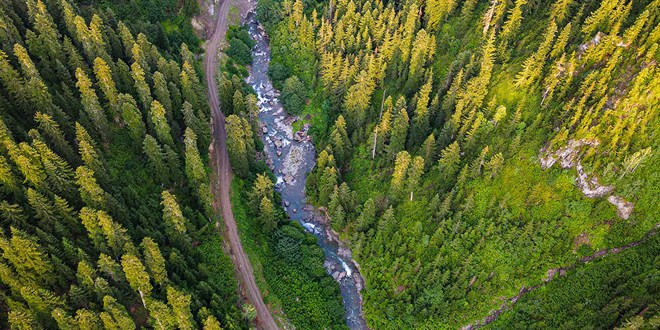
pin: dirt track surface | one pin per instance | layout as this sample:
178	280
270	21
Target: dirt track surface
222	181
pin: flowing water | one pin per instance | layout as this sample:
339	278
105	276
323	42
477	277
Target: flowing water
291	157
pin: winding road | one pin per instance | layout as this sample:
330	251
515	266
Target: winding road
222	181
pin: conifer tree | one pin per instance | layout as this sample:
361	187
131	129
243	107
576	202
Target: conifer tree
132	117
415	172
172	215
89	153
262	188
156	157
211	323
267	218
399	131
160	315
114	315
154	260
162	93
180	304
161	127
88	320
339	140
90	192
438	10
194	166
104	77
31	264
141	86
239	144
449	160
49	127
136	276
421	119
91	104
399	175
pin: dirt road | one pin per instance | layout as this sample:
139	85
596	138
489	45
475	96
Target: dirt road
222	181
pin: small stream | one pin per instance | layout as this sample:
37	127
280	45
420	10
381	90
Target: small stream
291	157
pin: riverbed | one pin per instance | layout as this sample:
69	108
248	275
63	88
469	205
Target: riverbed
291	157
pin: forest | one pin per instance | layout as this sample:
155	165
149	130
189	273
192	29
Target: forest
105	213
465	148
474	155
288	263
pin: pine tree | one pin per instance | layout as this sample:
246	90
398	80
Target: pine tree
180	304
132	117
428	150
367	216
160	315
172	215
194	167
415	172
262	188
14	83
339	140
211	323
267	218
91	103
449	161
136	275
43	23
89	219
357	99
104	77
90	192
237	145
115	316
49	127
399	175
156	157
399	131
141	86
162	93
161	127
421	119
512	24
31	264
88	151
438	10
154	261
115	235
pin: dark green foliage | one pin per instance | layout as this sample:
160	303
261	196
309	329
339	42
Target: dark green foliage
498	85
291	264
84	242
239	51
294	95
278	73
601	295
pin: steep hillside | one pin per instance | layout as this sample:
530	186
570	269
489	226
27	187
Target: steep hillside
469	147
106	213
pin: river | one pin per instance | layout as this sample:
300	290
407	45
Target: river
291	157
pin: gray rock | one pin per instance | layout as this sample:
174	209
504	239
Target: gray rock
279	153
286	203
264	130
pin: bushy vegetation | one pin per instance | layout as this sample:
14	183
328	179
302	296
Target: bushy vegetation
287	261
166	22
617	290
290	262
432	168
240	45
